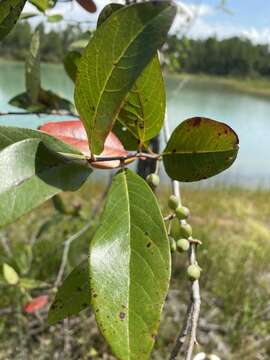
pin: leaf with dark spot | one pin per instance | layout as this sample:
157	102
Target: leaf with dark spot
200	148
73	296
125	274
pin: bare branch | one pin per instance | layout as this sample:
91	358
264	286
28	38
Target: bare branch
68	242
123	158
196	302
189	329
54	112
181	338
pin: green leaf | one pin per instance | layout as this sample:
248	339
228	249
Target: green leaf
107	11
144	109
10	11
47	101
10	275
200	148
30	284
32	174
130	267
71	63
73	296
41	5
32	68
55	18
11	135
78	44
114	58
125	136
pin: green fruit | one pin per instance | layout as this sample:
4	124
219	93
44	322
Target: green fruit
185	230
194	272
173	202
182	212
153	180
182	245
172	244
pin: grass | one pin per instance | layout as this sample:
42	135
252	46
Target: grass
234	227
256	86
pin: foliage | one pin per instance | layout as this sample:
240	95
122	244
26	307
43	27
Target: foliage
129	262
235	248
233	56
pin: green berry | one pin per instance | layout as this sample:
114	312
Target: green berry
153	180
185	230
182	212
182	245
172	244
194	272
173	202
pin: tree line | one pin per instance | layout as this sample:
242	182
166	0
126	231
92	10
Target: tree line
234	56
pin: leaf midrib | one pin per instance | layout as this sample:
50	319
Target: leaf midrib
129	229
111	72
199	152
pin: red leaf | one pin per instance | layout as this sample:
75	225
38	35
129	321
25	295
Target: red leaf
36	304
88	5
73	133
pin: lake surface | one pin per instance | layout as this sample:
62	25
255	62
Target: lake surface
248	115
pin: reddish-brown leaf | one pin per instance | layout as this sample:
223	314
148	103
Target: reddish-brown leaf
36	304
88	5
73	133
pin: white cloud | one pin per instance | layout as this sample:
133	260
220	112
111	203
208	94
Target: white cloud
195	9
201	30
191	19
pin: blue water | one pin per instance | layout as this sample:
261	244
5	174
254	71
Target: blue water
247	115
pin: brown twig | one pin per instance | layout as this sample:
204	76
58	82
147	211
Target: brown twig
181	338
131	155
69	241
54	112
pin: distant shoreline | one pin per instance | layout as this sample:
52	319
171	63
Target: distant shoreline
251	86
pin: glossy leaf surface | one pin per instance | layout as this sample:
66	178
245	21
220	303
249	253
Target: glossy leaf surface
114	58
130	267
31	173
73	133
200	148
73	296
143	111
10	11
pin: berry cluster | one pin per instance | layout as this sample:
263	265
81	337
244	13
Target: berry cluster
185	230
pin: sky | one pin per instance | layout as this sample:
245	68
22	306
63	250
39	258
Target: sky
247	18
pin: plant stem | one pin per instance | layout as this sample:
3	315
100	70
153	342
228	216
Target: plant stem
189	328
123	158
60	113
